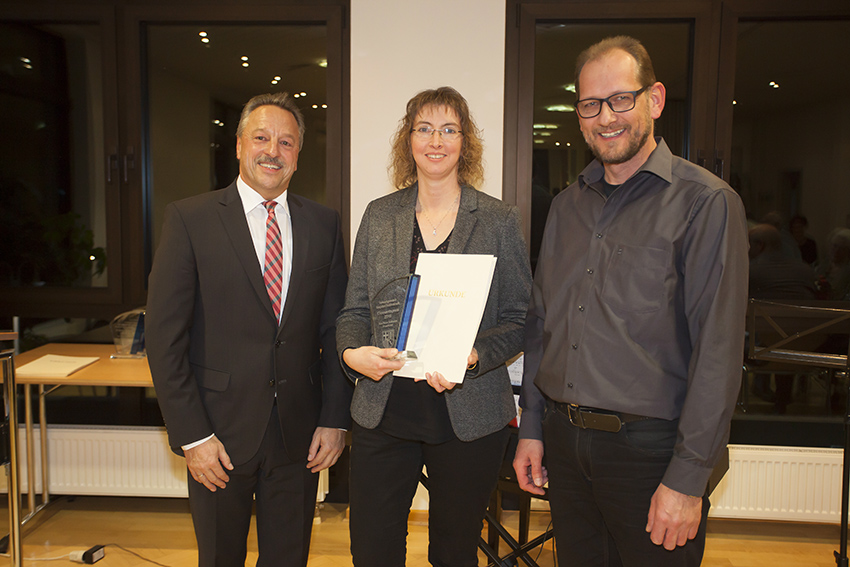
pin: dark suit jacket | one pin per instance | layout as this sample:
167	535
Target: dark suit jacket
484	403
216	353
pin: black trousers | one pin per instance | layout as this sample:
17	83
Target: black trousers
600	487
285	493
385	472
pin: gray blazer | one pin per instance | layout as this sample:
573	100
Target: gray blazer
484	402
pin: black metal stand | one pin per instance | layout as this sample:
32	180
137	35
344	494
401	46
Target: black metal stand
10	417
841	554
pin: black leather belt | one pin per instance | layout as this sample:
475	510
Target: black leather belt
594	418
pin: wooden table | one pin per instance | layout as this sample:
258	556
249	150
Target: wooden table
126	372
105	372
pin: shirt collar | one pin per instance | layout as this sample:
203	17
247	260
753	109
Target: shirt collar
251	199
660	163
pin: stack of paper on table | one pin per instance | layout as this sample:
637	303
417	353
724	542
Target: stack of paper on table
55	366
453	292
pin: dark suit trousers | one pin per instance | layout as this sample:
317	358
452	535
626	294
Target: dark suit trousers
285	499
385	471
600	487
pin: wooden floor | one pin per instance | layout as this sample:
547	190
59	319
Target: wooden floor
160	530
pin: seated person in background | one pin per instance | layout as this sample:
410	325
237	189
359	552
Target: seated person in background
835	271
808	247
789	247
772	274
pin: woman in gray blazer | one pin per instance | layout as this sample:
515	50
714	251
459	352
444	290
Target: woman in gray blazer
457	431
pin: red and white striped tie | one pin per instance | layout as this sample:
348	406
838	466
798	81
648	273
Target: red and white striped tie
273	267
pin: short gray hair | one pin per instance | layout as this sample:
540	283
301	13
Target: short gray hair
280	100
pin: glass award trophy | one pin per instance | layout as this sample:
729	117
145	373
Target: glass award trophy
128	333
392	311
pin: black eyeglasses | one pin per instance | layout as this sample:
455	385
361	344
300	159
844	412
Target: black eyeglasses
617	102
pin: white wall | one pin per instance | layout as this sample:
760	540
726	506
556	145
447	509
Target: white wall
400	47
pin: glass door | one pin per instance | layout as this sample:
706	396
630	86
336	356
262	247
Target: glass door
783	144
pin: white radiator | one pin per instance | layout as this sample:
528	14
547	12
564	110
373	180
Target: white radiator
107	461
111	461
780	483
763	483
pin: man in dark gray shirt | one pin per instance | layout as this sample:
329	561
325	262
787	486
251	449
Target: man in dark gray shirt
635	332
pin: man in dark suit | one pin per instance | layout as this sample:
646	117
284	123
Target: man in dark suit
244	294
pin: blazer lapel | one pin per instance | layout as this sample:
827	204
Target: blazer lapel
233	219
300	253
465	221
403	228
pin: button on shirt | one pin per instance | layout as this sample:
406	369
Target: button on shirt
638	306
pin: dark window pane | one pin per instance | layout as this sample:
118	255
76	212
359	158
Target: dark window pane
52	204
789	162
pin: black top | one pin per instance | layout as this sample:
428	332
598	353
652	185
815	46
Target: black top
415	411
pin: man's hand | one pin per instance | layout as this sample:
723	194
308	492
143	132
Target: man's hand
673	517
528	464
326	448
205	464
372	362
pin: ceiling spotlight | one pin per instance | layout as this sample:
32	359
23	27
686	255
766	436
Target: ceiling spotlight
244	58
324	106
561	108
277	77
202	34
303	93
315	106
570	87
296	95
323	63
274	82
734	102
557	143
205	40
774	84
539	141
545	126
245	64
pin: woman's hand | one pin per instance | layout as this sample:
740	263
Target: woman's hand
472	359
372	362
438	382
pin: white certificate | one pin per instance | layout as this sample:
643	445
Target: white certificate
452	294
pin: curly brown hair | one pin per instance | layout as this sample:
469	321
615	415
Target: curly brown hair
470	165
